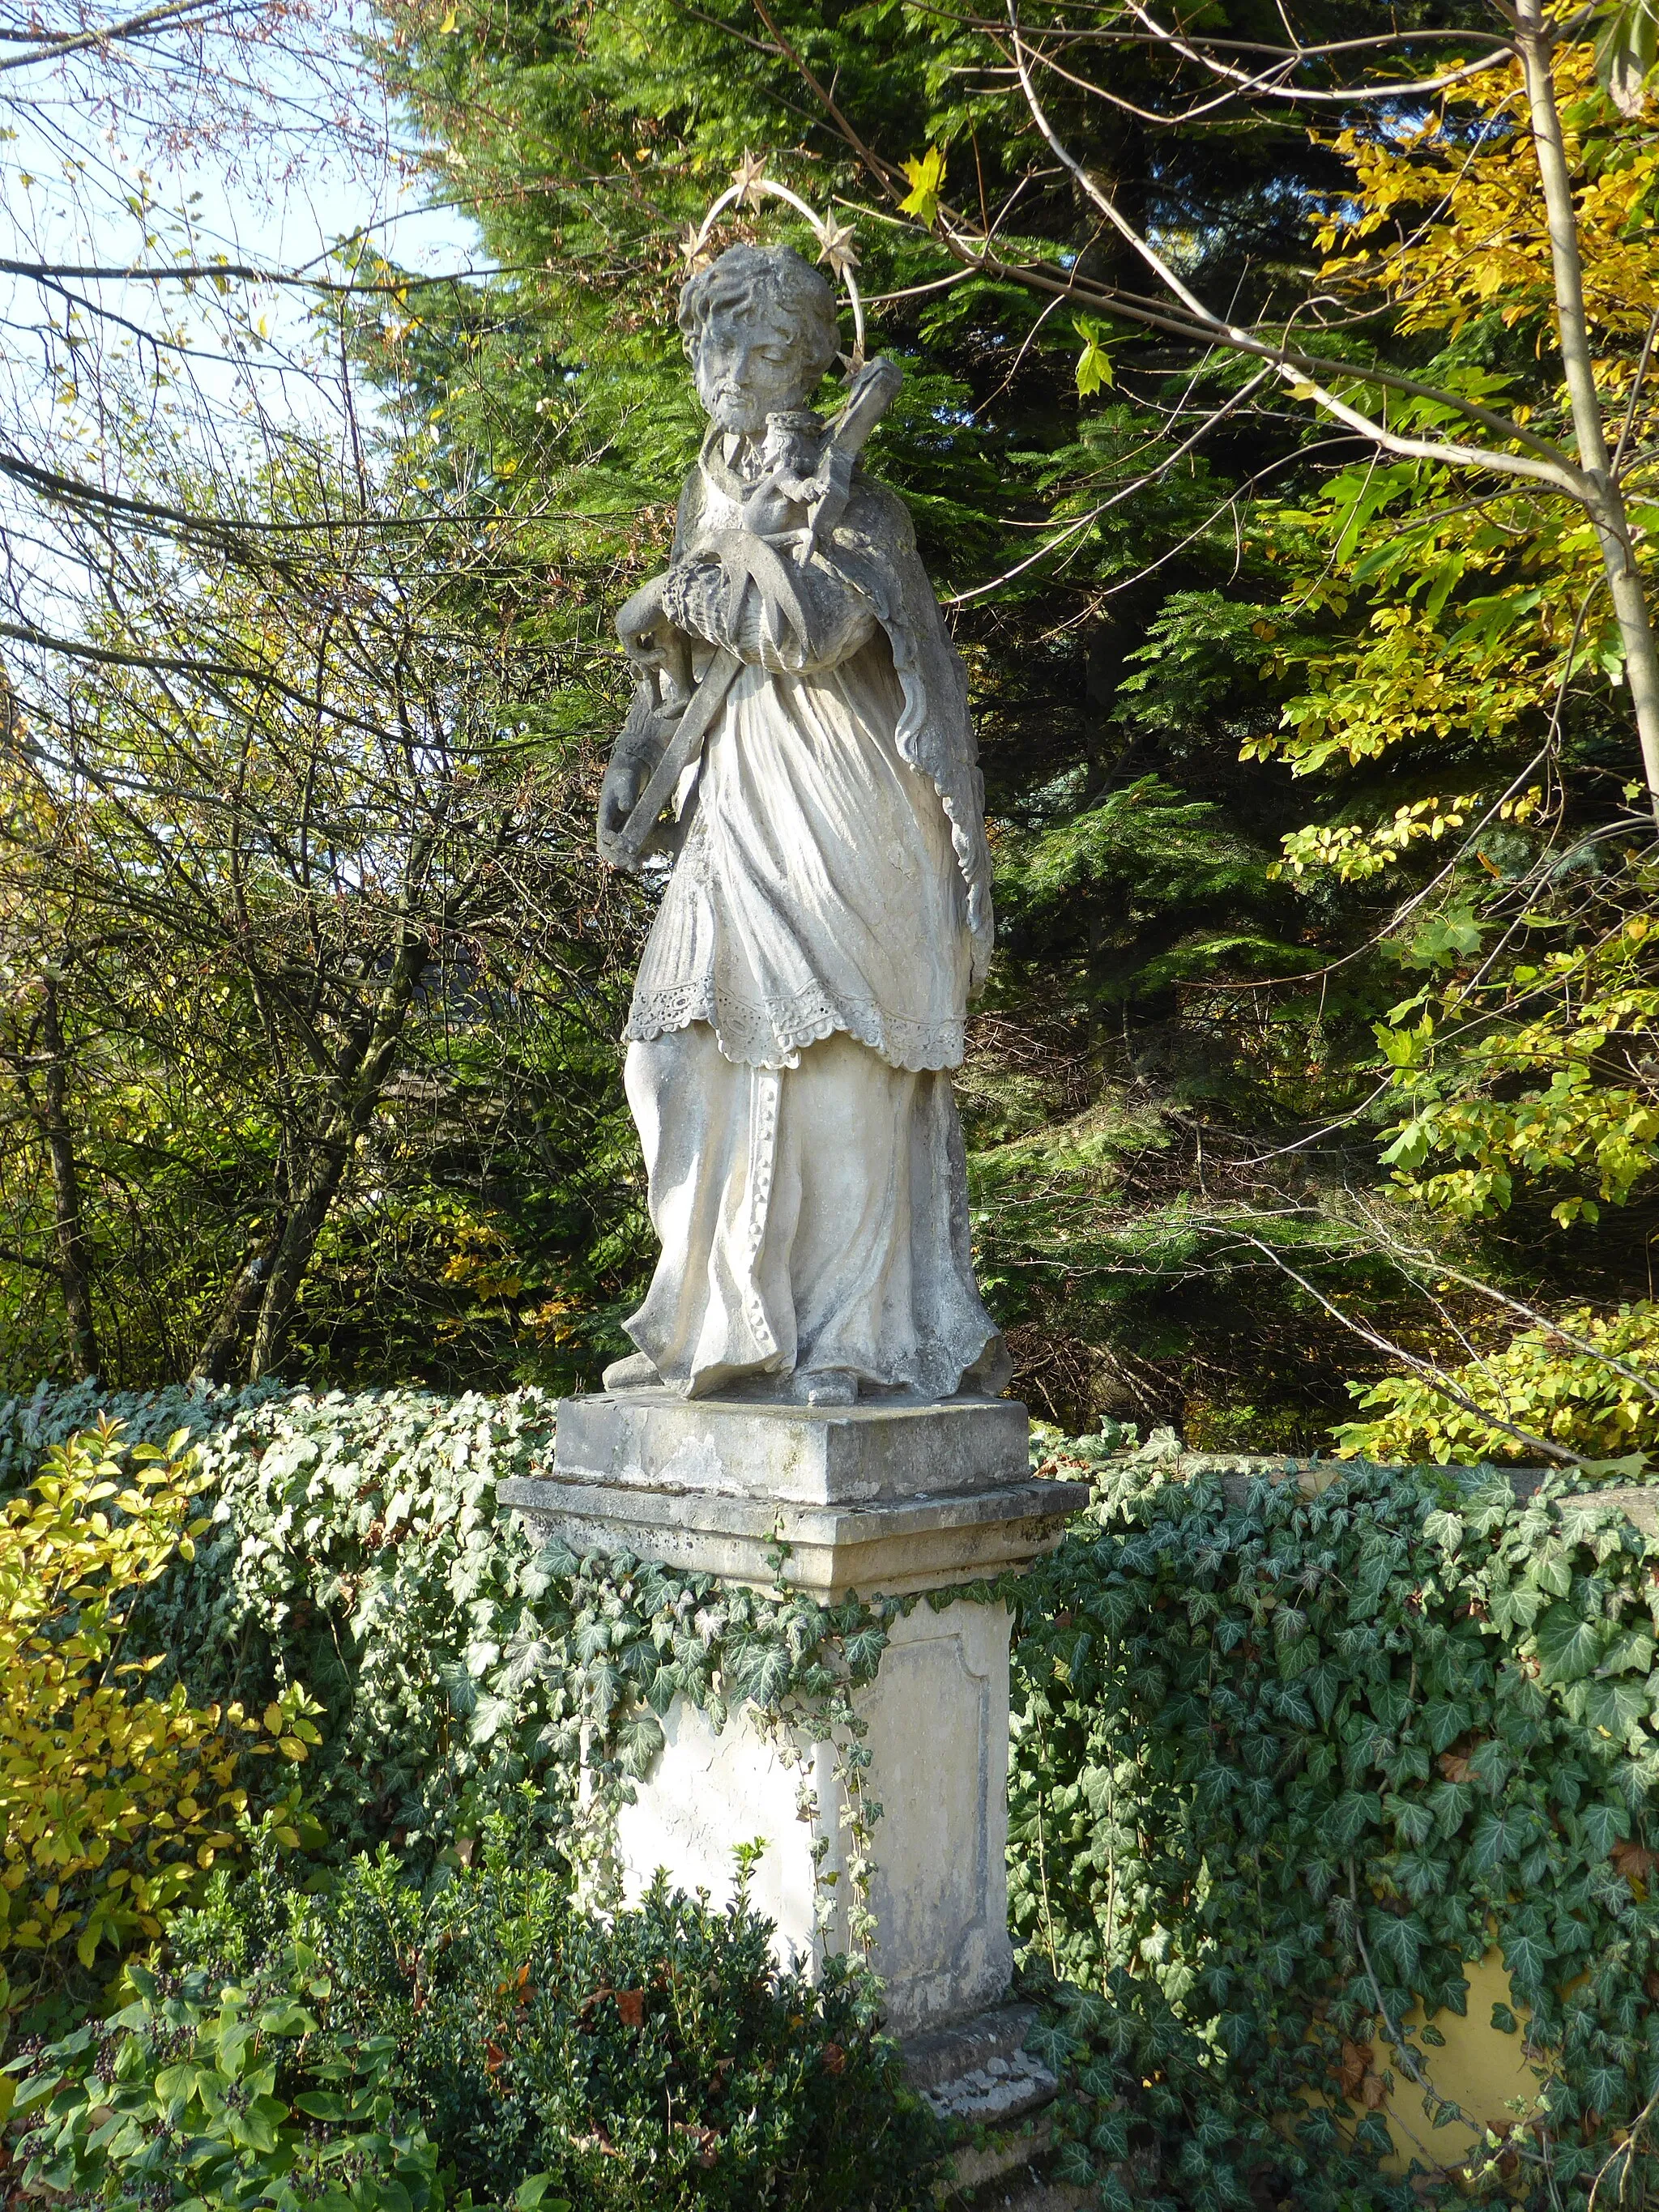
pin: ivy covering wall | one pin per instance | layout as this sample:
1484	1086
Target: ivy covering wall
1285	1768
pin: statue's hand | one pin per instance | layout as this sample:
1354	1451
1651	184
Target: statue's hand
657	648
633	758
619	794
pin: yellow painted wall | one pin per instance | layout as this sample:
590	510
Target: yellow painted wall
1479	2068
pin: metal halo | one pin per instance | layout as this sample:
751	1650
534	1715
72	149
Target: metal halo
746	188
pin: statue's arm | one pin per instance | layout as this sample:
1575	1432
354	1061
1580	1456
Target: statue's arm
769	611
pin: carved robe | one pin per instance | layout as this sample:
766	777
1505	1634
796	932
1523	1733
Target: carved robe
804	988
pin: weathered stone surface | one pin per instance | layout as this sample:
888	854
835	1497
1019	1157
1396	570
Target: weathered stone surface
830	1551
978	2071
942	2055
802	995
705	1486
878	1451
938	1720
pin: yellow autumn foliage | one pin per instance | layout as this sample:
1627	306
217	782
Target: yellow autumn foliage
1584	1382
1485	245
112	1799
1475	602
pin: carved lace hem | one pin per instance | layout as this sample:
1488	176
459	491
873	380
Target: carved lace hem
774	1033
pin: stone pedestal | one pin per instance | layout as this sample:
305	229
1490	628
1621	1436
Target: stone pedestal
890	1498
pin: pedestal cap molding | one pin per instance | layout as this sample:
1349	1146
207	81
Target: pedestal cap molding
891	1550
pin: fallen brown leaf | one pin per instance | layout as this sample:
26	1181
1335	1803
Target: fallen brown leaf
1633	1860
1355	2064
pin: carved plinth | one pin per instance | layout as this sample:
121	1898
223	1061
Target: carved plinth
887	1498
884	1500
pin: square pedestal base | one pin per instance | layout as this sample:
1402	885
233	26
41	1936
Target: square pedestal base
888	1499
937	1718
884	1499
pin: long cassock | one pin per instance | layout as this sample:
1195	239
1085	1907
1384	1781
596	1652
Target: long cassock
803	991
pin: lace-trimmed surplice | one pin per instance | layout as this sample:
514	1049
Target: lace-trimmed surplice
818	889
802	995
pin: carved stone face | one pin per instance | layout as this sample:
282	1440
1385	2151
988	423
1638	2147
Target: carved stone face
748	364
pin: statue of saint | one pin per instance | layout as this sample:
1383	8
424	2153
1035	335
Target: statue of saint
802	998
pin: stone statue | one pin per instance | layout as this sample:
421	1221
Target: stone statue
802	720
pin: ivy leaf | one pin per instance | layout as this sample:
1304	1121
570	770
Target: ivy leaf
639	1739
1400	1942
1515	1606
1235	2030
1323	1684
1413	1821
1550	1572
1445	1722
459	1688
1568	1647
592	1639
926	178
1489	1765
1605	1824
1354	1812
759	1668
1445	1529
488	1719
1278	1961
1630	1652
1616	1706
1497	1836
862	1650
1605	2086
1526	1959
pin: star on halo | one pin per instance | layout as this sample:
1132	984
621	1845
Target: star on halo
836	245
747	174
694	250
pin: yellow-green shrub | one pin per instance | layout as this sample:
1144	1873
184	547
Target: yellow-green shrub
111	1801
1586	1383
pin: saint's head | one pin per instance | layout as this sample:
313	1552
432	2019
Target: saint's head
761	328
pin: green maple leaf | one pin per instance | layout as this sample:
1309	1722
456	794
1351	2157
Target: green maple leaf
1094	370
927	182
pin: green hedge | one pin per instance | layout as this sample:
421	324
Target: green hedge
1283	1766
380	2047
355	1548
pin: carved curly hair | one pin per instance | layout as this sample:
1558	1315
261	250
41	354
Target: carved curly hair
773	276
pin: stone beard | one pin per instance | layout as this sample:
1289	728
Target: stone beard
802	995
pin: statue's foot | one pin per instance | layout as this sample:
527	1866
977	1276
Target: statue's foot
636	1372
823	1386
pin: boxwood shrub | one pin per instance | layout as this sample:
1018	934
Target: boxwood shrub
481	2039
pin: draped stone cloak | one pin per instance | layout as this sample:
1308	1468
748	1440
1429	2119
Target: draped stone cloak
803	991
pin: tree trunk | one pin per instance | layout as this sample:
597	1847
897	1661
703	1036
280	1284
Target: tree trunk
218	1347
360	1083
74	1260
1608	510
292	1256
